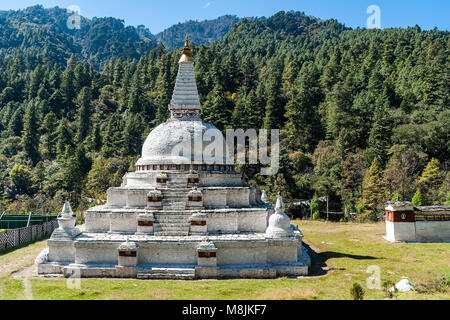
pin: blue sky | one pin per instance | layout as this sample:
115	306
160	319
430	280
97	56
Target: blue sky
160	14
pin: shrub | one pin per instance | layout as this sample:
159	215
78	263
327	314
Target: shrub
357	292
418	198
315	210
360	208
316	215
397	197
386	286
315	206
441	284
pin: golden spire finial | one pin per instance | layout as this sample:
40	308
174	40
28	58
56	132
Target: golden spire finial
186	50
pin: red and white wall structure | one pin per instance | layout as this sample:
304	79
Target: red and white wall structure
407	223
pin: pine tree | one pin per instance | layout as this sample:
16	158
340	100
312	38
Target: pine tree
418	199
76	168
331	71
250	74
36	79
64	137
84	113
430	181
49	136
112	139
15	125
379	138
99	177
216	109
56	102
373	191
68	85
135	98
303	125
240	116
132	136
95	139
341	118
275	101
30	134
254	109
164	90
447	200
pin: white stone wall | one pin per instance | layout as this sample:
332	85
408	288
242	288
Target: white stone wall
255	196
400	231
222	222
209	179
141	179
238	197
100	255
214	198
123	222
198	229
252	222
117	197
137	198
96	221
207	262
235	256
418	231
280	251
145	229
433	230
168	256
128	261
61	251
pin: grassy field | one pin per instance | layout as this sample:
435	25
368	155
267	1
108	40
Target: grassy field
344	252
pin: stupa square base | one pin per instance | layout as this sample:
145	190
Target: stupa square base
249	255
177	272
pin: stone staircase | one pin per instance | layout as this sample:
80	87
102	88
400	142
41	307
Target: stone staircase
167	272
173	220
172	223
177	182
175	199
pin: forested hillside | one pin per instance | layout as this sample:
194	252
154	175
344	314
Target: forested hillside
42	34
200	32
364	114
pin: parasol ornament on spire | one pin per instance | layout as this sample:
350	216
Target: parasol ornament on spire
187	50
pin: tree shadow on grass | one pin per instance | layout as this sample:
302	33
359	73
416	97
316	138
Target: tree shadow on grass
331	254
319	266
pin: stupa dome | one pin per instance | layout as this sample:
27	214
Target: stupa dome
173	142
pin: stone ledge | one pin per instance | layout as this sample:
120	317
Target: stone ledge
180	273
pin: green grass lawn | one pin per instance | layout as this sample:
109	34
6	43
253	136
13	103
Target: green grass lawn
346	250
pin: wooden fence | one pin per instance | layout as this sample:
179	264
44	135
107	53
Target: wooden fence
15	237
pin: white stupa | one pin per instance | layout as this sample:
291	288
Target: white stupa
181	215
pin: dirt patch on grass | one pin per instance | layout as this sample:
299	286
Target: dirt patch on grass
16	259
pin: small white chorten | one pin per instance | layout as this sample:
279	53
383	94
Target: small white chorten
279	222
264	197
